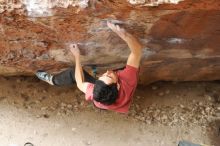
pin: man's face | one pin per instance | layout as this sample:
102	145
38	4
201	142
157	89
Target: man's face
109	77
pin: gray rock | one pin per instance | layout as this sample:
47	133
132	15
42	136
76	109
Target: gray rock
175	120
38	116
44	108
182	118
144	111
52	108
18	80
44	91
200	103
167	91
87	142
37	101
63	104
182	106
137	106
154	87
73	129
59	113
207	109
29	107
148	121
161	94
69	106
164	117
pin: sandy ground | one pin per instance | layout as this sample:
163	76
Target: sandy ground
162	114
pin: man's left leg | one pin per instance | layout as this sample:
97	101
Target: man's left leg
64	78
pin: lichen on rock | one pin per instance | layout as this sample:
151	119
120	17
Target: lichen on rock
40	8
153	2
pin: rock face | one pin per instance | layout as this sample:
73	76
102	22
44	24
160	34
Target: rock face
180	38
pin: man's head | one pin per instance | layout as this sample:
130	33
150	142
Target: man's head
109	77
106	88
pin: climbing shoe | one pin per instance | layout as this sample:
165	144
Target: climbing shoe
44	76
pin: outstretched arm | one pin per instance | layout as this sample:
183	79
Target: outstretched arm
133	43
79	76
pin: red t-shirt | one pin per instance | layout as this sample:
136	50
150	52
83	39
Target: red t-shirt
127	79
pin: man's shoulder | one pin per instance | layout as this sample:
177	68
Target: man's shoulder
128	76
128	70
89	91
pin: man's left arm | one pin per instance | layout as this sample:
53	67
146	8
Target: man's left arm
79	76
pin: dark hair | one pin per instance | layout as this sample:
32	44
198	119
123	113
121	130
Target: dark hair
105	94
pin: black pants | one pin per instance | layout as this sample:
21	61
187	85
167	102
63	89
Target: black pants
67	77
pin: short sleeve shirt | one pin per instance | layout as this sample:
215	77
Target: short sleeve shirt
127	79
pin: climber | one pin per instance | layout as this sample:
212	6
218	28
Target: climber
113	90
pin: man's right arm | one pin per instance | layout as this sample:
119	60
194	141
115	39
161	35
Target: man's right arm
133	43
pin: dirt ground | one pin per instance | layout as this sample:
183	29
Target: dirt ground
161	114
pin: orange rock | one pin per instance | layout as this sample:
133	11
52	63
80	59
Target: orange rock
181	40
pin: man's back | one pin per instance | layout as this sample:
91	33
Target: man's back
127	79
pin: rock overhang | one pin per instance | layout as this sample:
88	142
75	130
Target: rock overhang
180	39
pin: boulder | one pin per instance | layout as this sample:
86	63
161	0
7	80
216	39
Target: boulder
180	37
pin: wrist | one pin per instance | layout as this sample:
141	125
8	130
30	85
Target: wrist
77	57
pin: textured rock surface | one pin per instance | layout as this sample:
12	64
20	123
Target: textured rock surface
181	40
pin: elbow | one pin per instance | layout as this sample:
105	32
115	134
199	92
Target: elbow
79	86
137	50
137	54
140	48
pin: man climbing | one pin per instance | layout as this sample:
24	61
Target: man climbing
113	90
